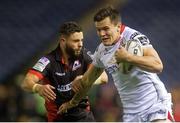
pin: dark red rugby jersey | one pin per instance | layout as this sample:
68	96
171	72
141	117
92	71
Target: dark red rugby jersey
51	69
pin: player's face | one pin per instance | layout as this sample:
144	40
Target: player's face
107	31
74	44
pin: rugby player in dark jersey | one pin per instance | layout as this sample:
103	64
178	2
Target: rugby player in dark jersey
51	77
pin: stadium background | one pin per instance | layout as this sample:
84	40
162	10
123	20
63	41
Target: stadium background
28	29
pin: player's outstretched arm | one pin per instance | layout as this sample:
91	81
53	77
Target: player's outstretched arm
30	82
87	81
76	83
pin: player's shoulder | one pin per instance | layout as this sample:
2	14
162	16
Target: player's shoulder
41	64
87	53
51	56
132	34
48	57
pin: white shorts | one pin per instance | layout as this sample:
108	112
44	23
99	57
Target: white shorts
161	110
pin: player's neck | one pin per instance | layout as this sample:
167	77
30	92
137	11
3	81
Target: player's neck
118	38
65	55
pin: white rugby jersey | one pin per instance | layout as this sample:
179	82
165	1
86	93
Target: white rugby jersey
138	89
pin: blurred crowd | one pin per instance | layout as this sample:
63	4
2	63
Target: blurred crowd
17	105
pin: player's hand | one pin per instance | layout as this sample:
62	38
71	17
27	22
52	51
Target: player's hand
65	106
76	84
46	91
121	55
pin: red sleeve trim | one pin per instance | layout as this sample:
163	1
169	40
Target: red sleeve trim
38	74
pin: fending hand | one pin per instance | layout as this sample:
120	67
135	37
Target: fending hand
65	106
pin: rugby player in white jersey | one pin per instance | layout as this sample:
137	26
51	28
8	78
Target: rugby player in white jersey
143	94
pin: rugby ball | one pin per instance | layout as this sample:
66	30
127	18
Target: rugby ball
134	47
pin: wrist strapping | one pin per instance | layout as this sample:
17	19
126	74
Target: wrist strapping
34	88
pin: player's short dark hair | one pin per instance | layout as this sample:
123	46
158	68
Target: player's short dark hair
108	11
69	28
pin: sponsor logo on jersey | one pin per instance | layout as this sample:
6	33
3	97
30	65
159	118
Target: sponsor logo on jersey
160	112
41	64
134	35
60	74
76	65
105	53
112	68
63	88
142	38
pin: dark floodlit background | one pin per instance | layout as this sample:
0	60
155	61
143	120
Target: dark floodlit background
28	29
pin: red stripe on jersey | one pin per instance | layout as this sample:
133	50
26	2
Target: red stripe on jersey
51	107
170	117
122	28
38	74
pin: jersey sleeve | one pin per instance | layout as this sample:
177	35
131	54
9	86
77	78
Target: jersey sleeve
143	39
41	68
96	58
130	34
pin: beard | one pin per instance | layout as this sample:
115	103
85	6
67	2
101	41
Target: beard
71	52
